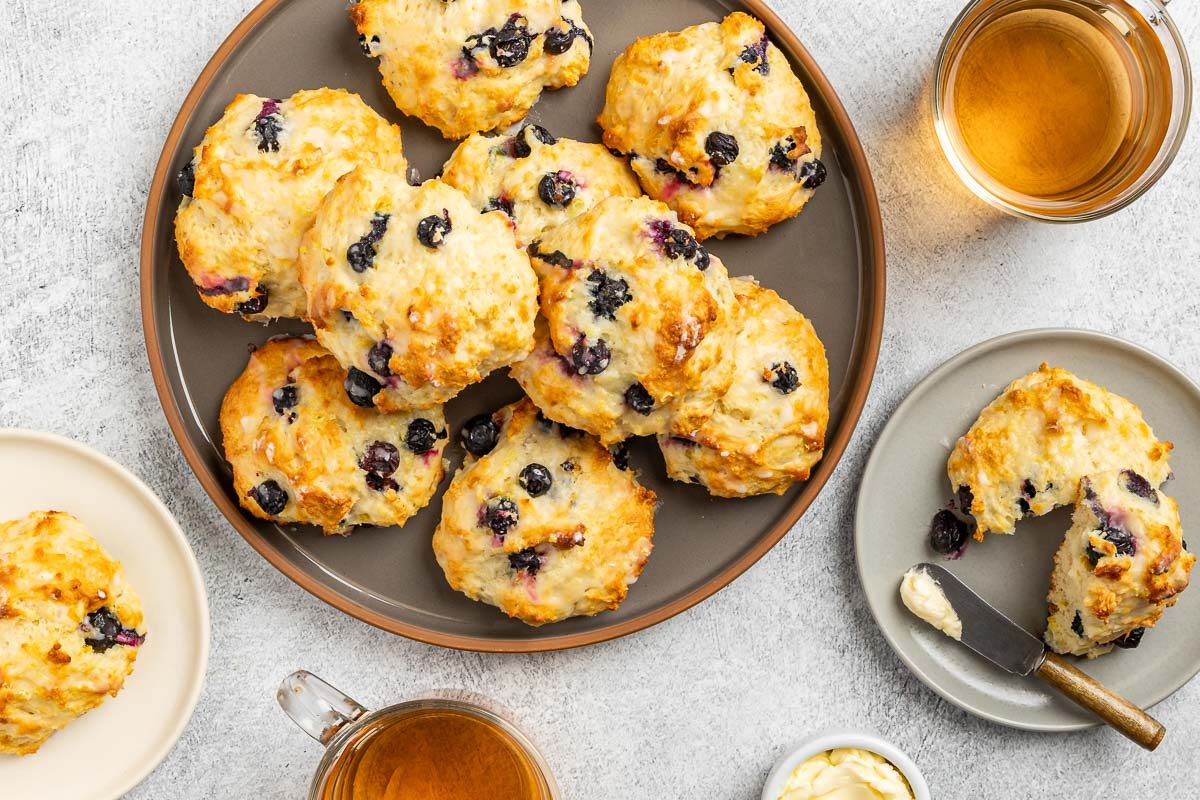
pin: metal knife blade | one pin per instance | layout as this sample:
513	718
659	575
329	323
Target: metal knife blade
985	630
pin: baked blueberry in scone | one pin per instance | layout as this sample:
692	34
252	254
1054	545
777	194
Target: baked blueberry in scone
543	525
716	125
1122	563
254	184
536	179
768	430
301	451
637	318
70	627
1030	447
413	290
473	65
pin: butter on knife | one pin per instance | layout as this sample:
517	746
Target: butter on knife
923	596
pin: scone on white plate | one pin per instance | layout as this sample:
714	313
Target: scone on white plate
538	180
716	125
253	187
1030	447
70	627
473	65
768	430
302	452
636	333
413	290
540	522
1122	563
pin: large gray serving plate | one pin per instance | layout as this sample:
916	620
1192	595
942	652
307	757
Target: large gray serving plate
829	262
905	483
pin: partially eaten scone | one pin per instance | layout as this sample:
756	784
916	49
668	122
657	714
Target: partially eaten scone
1122	563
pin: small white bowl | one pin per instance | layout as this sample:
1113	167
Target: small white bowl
834	740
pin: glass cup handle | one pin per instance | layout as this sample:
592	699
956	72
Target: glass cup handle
318	708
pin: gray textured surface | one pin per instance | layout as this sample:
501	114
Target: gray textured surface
701	705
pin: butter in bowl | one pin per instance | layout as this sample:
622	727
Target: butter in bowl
845	766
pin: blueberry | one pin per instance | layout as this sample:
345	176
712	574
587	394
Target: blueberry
608	294
678	243
1130	640
382	458
361	387
186	179
501	515
620	456
781	155
270	496
500	204
947	534
433	230
568	466
267	126
381	483
1028	492
558	41
367	45
535	479
664	167
510	45
555	258
361	254
590	360
226	286
756	54
284	397
1077	625
422	435
702	258
479	435
722	148
639	399
784	377
526	560
256	304
964	498
102	629
811	174
378	358
1136	484
1122	539
518	146
556	189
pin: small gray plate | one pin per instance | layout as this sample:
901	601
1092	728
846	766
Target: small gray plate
905	483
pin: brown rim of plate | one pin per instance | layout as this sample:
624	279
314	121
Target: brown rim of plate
873	293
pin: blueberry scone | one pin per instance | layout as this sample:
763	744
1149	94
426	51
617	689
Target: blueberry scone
70	627
253	186
716	125
540	522
1029	448
1121	565
768	430
302	452
538	180
413	290
464	66
637	318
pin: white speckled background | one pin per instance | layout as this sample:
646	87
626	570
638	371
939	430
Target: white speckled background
700	706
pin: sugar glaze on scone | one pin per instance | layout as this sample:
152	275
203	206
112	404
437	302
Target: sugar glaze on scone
465	66
637	318
545	525
254	185
1120	566
768	430
716	125
413	290
302	452
1029	448
70	627
538	180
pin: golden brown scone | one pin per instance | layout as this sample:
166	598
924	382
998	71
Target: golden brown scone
1121	565
302	452
537	180
70	627
413	290
543	526
253	187
1029	448
768	430
636	318
473	65
716	125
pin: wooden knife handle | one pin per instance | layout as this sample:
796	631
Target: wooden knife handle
1101	701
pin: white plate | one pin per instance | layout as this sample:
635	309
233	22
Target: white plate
39	471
